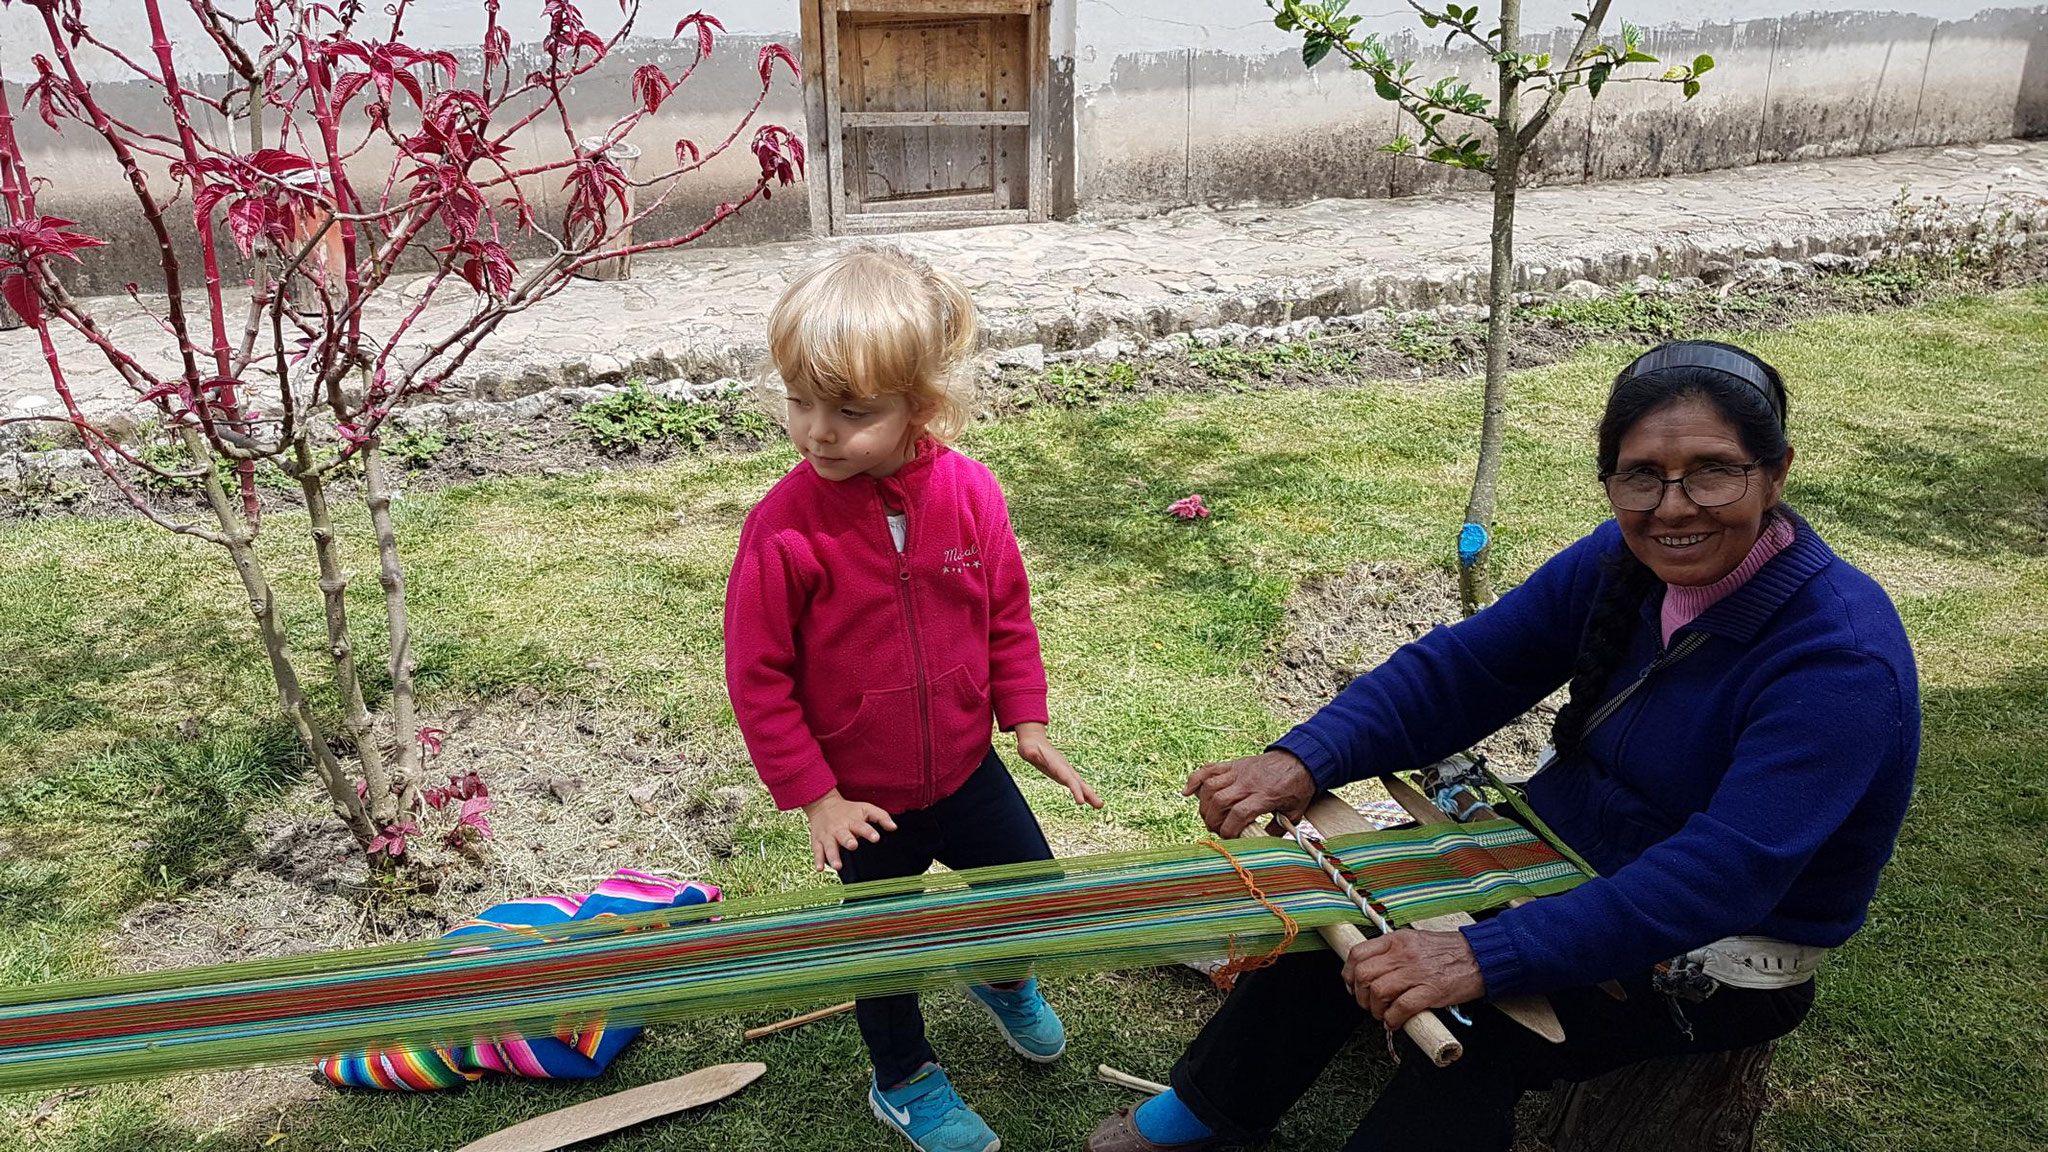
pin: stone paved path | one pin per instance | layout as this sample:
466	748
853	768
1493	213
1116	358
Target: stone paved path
700	313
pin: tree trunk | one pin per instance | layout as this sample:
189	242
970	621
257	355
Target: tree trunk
1475	579
1705	1103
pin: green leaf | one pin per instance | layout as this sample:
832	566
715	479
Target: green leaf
1431	19
1314	49
1597	76
1635	57
1701	65
1386	88
1692	89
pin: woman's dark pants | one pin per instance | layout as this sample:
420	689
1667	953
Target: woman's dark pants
1282	1025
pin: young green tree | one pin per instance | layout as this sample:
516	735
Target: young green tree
1456	126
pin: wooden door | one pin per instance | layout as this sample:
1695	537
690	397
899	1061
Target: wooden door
934	113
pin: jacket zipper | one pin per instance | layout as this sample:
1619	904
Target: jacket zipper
1672	655
1666	658
922	691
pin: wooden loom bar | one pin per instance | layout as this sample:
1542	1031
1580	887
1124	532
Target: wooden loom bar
1334	817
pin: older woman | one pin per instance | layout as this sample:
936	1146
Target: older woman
1734	762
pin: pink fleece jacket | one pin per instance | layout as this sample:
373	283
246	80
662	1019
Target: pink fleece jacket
856	667
1683	603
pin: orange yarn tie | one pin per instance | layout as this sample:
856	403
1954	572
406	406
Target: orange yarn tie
1226	976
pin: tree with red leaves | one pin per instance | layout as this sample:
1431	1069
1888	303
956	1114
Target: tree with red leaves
302	384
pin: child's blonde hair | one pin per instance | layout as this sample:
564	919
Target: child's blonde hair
876	321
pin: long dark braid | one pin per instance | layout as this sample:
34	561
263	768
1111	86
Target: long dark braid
1608	632
1758	414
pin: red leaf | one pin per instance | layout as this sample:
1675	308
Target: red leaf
704	26
499	262
345	89
651	86
780	152
392	839
52	93
473	810
497	45
22	298
411	86
245	223
523	211
277	161
207	197
46	236
770	55
460	211
686	153
347	48
430	740
166	391
445	61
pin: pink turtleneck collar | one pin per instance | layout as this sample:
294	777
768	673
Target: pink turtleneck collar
1684	603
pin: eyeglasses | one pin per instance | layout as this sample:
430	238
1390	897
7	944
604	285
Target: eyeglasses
1709	486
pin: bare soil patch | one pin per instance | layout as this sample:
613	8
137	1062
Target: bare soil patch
577	792
1342	626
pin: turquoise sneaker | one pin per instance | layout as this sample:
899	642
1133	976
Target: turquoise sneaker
931	1115
1025	1020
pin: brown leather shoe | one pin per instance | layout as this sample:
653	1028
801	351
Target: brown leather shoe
1120	1133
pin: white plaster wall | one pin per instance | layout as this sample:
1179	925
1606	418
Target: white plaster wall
1176	101
451	24
84	182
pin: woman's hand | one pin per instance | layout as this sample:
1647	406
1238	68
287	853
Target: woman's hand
1039	752
838	823
1236	793
1396	977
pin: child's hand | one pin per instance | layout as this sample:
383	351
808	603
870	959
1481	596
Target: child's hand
838	823
1034	747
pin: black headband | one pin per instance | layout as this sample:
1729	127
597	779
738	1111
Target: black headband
1712	357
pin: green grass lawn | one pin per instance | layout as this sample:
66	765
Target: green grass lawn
1923	457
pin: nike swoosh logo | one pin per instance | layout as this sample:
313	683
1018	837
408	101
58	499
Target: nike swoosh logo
900	1115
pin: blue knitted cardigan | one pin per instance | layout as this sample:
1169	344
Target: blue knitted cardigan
1755	787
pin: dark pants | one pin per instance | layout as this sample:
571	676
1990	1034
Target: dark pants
986	822
1281	1026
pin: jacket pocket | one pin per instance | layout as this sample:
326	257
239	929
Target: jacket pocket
1630	824
880	740
963	719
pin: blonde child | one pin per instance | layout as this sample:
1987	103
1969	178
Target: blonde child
876	621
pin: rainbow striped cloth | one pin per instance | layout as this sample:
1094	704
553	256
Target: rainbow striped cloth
576	1051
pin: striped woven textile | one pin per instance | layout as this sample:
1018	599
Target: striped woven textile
1096	913
574	1052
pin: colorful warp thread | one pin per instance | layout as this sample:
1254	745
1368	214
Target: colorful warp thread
818	944
575	1051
